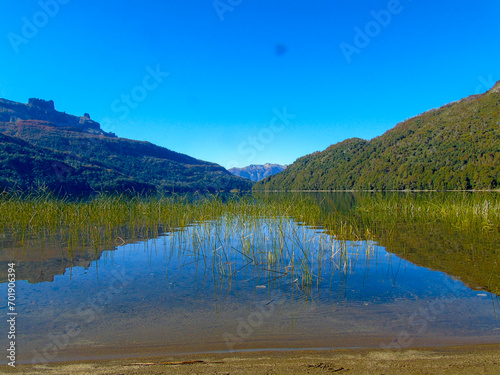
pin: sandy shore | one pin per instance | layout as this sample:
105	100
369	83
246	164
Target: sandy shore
471	359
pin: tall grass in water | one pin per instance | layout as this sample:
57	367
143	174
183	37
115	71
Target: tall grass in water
283	234
479	212
279	235
99	221
106	220
457	233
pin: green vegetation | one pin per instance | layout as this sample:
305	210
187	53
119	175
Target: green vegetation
474	213
206	226
454	232
103	218
457	233
72	156
75	163
455	147
25	167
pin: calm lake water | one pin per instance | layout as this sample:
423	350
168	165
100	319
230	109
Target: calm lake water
270	284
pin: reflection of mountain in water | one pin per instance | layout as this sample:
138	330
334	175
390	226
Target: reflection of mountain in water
472	257
43	265
39	261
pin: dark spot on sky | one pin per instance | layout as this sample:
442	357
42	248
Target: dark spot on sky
280	49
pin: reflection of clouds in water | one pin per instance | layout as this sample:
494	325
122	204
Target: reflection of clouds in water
280	49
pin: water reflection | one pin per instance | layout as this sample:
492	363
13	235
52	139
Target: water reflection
233	283
472	256
42	265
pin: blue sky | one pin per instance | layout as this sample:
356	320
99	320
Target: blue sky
241	82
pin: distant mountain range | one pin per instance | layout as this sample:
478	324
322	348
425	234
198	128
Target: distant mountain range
258	172
456	146
67	154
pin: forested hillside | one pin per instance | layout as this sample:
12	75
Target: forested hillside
454	147
76	157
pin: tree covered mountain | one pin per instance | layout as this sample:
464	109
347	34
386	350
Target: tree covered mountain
256	172
40	146
456	146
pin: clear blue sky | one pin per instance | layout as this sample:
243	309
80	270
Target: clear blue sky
231	70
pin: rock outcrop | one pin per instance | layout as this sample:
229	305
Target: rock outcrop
44	110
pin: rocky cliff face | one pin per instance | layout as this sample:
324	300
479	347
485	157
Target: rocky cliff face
258	172
38	109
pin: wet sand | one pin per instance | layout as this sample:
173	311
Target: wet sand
457	360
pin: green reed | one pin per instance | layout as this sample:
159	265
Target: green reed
463	211
286	234
275	247
457	233
106	220
278	235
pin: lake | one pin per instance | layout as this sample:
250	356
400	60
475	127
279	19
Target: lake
235	282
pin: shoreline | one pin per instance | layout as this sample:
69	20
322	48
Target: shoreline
116	352
463	359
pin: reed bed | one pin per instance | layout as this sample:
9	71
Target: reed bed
277	249
286	236
110	220
477	212
104	220
457	233
281	236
